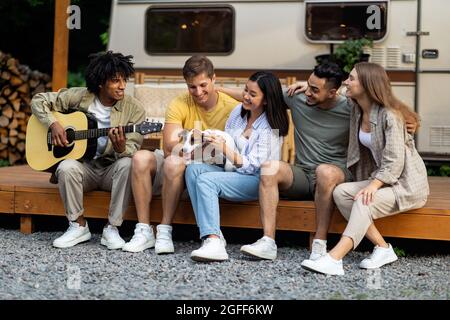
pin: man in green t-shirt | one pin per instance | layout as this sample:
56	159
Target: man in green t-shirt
202	107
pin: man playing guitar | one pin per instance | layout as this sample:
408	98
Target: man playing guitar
109	170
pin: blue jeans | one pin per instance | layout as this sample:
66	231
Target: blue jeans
206	183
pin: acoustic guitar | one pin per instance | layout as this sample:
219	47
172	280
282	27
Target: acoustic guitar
82	134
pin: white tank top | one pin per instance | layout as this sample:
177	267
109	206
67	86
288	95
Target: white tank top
366	139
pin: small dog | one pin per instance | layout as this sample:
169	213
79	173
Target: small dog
195	143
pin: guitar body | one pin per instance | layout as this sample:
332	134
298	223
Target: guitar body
44	157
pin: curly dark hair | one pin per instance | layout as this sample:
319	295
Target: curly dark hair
104	66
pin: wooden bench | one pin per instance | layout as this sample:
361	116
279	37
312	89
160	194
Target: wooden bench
27	193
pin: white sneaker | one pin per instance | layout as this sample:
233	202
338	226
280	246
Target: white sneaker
222	238
318	249
379	257
164	243
74	235
111	238
264	248
212	249
143	239
325	264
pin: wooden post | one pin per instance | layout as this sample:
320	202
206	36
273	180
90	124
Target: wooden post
26	224
60	45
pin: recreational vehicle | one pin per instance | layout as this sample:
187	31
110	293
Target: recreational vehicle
411	40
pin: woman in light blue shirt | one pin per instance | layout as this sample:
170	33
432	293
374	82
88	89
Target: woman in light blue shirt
257	126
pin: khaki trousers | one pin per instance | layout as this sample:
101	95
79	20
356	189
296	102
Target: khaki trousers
75	178
358	215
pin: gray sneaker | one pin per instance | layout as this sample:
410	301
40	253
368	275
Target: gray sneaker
143	238
75	234
264	248
164	243
318	249
212	249
379	257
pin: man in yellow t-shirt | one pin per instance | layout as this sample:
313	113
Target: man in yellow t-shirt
186	111
202	107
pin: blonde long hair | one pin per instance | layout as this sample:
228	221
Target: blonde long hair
375	81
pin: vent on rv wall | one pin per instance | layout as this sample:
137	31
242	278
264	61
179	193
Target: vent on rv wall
377	55
440	136
387	57
393	57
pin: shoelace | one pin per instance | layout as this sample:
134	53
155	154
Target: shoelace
112	232
261	242
376	252
164	236
138	235
316	248
72	227
208	241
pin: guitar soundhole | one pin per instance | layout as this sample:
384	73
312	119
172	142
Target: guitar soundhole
60	152
70	135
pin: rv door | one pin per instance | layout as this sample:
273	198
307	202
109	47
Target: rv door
433	101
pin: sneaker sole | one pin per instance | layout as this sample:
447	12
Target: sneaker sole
72	243
164	251
306	267
379	266
259	257
139	249
111	247
206	259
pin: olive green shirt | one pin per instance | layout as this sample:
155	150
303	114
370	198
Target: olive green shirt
321	136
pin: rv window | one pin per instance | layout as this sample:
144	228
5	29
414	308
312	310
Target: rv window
190	30
335	22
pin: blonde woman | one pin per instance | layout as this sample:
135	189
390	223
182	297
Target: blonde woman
390	176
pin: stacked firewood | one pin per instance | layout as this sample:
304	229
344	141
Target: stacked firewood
18	84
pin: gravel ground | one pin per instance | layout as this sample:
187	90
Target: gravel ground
30	268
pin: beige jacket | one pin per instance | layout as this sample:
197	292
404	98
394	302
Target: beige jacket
395	162
124	112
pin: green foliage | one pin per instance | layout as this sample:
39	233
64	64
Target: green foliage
362	296
349	53
35	3
33	20
336	296
104	37
76	79
4	163
399	252
442	171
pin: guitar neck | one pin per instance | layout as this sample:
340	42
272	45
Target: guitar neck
97	133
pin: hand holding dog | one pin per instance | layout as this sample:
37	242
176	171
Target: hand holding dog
219	143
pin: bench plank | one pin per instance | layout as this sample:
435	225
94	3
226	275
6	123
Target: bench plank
6	201
27	193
